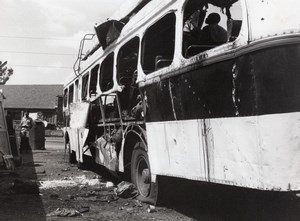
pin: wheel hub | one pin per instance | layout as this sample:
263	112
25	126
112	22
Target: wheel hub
146	176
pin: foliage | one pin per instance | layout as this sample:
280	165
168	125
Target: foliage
5	72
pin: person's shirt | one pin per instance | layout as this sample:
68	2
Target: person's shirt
26	122
213	34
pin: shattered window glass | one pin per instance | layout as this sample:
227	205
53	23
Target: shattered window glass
208	24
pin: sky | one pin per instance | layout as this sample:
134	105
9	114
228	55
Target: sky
40	39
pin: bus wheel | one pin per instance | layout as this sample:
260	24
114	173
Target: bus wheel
141	175
72	154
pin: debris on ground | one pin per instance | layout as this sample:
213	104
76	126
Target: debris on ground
64	212
69	182
126	190
138	203
66	169
84	209
107	198
151	209
109	184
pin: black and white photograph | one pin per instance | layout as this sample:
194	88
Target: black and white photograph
161	110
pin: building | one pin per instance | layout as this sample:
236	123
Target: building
43	100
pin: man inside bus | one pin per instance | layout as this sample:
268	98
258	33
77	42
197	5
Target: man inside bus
213	33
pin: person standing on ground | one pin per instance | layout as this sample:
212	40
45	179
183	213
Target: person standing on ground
26	124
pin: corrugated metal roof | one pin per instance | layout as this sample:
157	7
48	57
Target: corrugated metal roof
31	96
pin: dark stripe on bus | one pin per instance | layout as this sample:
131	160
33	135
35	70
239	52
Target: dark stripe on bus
263	82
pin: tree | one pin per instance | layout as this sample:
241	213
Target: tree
5	72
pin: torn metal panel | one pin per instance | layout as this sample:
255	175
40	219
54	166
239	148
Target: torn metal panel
79	114
106	154
108	32
78	131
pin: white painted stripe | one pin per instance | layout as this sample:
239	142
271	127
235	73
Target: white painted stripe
261	152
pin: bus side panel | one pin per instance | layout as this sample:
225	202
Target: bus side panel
176	148
261	152
237	101
258	152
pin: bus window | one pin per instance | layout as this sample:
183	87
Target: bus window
76	90
93	81
126	75
110	107
84	89
209	25
66	97
71	94
158	44
106	73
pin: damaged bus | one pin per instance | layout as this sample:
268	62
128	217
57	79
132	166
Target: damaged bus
156	98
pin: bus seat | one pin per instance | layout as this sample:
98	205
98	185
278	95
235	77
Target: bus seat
161	61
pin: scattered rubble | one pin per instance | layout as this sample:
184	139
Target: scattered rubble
64	213
66	169
151	209
126	190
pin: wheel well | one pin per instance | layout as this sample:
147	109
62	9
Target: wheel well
131	139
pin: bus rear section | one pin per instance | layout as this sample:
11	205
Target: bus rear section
155	102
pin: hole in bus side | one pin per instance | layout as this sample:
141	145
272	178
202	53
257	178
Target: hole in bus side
66	112
129	97
84	89
208	25
93	81
106	73
76	95
158	44
71	94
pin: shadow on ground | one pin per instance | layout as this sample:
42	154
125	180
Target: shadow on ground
19	192
219	202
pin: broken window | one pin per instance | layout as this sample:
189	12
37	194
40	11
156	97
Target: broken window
158	44
76	90
110	107
65	97
71	94
93	81
209	23
84	89
127	74
106	73
95	114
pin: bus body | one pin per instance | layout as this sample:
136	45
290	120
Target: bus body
156	101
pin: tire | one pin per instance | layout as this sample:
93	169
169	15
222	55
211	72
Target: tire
141	175
72	154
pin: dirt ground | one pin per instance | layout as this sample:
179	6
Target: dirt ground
47	187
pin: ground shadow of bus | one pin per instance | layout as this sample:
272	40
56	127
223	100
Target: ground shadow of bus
219	202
